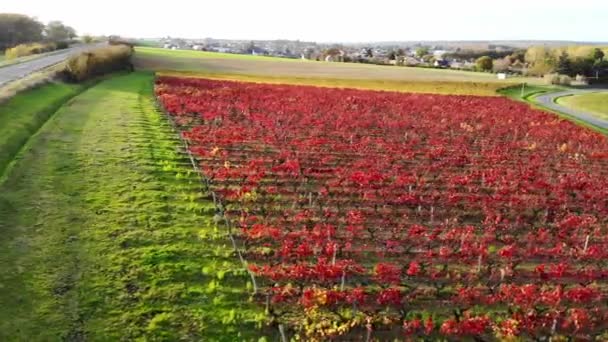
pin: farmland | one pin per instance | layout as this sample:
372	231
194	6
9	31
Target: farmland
379	215
346	75
277	204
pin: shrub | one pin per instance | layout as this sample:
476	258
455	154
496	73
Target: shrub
98	62
557	79
565	80
484	63
582	79
62	45
117	41
23	50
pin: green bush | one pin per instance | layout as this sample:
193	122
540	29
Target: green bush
62	45
98	62
484	63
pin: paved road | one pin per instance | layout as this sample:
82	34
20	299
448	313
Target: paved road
548	100
14	72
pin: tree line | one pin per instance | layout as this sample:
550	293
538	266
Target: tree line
16	29
586	61
580	61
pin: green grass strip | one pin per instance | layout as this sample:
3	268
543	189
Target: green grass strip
106	235
25	113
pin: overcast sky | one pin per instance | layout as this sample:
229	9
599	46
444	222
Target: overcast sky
330	21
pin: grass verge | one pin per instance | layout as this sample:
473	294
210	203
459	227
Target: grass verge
107	236
593	103
26	112
531	91
520	93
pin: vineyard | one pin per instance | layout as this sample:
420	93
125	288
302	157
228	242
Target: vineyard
366	215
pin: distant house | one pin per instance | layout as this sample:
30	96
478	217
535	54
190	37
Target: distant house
334	55
334	58
465	65
456	65
441	63
256	51
198	47
517	67
410	61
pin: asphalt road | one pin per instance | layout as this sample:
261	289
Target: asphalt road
548	100
17	71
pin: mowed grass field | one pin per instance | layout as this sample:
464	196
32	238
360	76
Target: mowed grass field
293	71
594	103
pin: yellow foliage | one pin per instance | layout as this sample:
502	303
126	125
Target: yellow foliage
98	62
23	50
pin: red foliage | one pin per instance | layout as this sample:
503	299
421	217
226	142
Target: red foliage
393	198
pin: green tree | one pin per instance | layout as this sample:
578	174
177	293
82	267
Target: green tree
392	55
17	29
564	65
598	55
87	39
484	63
422	51
56	31
582	66
428	58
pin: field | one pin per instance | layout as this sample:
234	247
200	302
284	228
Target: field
378	215
347	75
595	103
247	198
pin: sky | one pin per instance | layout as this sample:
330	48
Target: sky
330	21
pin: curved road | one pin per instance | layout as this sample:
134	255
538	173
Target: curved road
548	101
17	71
